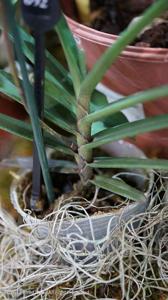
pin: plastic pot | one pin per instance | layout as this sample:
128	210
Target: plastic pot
100	224
136	69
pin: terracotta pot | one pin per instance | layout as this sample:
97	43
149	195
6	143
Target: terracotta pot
135	70
155	143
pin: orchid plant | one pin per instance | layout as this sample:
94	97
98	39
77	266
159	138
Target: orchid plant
77	117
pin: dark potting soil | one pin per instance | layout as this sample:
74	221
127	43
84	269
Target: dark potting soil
63	184
113	16
67	185
155	37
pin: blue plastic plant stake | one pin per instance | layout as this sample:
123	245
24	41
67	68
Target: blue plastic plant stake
40	16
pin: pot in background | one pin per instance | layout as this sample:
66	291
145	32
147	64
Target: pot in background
155	143
137	68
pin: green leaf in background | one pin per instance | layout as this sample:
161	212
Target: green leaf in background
7	86
119	187
97	127
61	117
56	114
53	67
58	84
55	85
98	102
109	109
128	130
131	163
109	122
60	95
24	130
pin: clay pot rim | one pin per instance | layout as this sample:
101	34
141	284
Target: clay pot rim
155	55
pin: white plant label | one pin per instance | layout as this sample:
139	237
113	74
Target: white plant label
43	4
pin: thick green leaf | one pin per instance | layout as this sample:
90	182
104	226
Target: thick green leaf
71	53
109	110
24	130
118	187
132	163
128	130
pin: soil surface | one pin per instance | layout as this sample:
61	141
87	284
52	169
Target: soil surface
68	188
113	16
155	37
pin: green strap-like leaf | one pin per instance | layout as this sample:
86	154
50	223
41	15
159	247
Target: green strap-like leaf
110	109
53	67
128	130
54	93
60	95
71	52
58	84
24	130
54	83
53	116
8	88
30	101
132	163
118	187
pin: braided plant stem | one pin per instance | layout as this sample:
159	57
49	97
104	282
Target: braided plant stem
83	137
